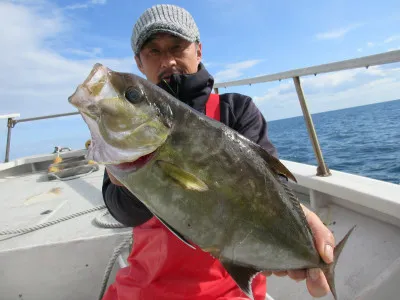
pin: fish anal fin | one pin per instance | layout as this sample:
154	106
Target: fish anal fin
243	276
182	177
296	205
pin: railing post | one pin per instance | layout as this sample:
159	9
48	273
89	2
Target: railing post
10	125
322	169
11	122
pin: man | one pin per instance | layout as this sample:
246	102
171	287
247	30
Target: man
167	48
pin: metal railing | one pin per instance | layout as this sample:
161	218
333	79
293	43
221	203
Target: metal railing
322	169
362	62
11	122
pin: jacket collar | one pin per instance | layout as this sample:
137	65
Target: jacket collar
192	89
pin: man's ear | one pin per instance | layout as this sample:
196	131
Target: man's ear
199	52
139	64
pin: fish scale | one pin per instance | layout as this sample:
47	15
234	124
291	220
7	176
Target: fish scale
249	219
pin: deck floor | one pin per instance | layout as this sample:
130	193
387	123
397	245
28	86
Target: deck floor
373	248
26	198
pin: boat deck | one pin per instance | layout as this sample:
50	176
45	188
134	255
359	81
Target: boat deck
69	258
32	199
63	261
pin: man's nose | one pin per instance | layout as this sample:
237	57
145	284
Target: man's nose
167	60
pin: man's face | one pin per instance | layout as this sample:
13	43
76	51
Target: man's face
164	54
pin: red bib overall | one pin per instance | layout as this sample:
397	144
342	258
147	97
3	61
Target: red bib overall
161	267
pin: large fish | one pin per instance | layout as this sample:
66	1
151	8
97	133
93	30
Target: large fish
208	184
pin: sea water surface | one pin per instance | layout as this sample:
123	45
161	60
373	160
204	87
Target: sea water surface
363	140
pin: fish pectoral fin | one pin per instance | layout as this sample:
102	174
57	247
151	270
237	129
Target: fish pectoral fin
173	231
182	177
243	276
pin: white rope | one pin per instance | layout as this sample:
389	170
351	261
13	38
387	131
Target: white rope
117	251
50	223
101	223
269	297
98	220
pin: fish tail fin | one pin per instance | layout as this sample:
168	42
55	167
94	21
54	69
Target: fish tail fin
329	269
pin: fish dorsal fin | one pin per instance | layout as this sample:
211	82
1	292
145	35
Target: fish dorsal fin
243	276
273	162
184	178
279	168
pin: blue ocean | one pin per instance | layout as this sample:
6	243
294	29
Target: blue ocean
363	140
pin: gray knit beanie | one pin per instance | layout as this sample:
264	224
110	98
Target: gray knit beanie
164	18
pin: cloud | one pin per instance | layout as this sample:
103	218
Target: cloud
76	6
233	71
382	44
85	4
310	84
333	91
36	78
336	33
95	52
392	39
330	82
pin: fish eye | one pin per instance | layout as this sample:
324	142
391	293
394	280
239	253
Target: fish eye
134	95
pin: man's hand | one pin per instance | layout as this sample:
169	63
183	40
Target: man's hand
113	179
325	241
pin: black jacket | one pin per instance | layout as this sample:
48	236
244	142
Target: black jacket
237	111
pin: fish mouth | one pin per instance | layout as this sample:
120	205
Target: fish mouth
137	163
167	76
